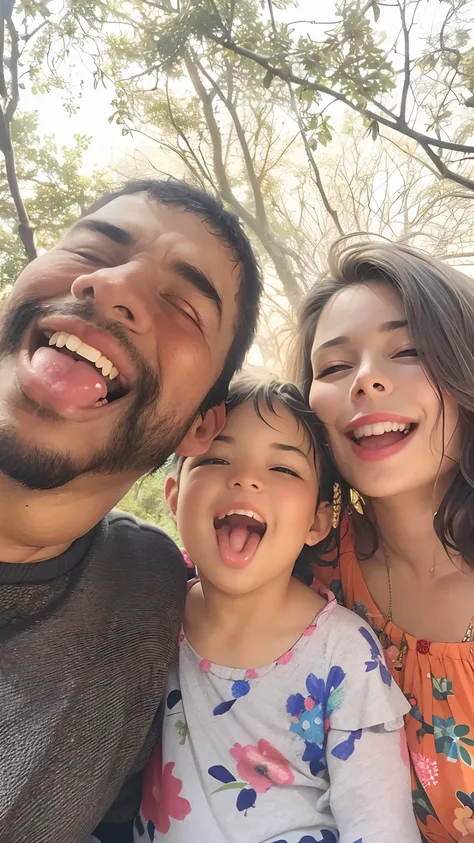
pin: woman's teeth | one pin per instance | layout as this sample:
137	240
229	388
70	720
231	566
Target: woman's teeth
381	427
88	352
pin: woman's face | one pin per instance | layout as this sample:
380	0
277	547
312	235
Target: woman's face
384	419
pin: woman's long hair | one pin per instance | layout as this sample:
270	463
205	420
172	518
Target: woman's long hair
439	306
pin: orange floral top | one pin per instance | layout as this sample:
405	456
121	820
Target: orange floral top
438	681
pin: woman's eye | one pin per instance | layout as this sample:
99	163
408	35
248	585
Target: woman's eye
332	370
407	352
284	470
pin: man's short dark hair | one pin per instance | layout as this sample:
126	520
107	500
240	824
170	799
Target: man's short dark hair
227	227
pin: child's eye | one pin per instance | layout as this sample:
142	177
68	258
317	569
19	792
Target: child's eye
212	461
284	470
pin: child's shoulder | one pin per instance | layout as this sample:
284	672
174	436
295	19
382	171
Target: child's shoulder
346	632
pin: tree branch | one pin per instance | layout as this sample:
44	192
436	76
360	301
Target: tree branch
289	76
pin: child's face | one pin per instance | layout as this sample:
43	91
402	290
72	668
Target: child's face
368	377
263	471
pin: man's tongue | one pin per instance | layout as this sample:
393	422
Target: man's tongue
62	384
374	443
238	540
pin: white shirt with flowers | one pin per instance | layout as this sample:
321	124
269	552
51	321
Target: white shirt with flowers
309	749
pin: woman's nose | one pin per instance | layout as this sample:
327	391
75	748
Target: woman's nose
371	380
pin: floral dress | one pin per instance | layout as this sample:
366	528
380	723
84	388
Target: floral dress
438	682
309	749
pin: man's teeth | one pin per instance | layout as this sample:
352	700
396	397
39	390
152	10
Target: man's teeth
88	352
246	512
381	427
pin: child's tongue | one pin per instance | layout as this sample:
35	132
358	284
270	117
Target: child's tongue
237	540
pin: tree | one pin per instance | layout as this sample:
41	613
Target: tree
146	500
55	191
347	61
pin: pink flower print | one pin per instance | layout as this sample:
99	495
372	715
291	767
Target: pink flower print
160	795
251	674
285	658
262	765
205	665
309	630
426	769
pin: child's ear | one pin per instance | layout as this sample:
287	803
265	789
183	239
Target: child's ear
201	433
171	489
321	525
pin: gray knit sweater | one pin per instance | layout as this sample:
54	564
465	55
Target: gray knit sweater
85	644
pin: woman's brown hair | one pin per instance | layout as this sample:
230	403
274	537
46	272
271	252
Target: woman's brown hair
439	306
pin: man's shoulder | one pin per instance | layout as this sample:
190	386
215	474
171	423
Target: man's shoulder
131	549
131	529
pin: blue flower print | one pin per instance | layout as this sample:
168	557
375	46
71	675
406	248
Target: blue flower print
240	688
327	837
246	797
312	714
377	659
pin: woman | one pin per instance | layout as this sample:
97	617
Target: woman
386	360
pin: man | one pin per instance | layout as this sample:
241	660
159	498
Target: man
116	349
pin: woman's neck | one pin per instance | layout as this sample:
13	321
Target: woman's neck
405	527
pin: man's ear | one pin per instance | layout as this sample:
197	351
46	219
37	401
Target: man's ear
203	430
321	525
171	489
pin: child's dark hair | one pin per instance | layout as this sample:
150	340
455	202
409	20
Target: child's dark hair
266	395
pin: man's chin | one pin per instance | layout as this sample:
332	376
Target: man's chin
33	467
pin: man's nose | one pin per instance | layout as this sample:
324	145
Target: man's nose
118	295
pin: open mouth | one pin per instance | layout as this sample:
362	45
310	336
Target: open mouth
381	434
239	533
70	346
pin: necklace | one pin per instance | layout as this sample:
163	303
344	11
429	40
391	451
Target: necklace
385	639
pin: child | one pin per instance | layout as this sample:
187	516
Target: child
281	721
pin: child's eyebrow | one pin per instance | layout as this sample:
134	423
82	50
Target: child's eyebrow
280	446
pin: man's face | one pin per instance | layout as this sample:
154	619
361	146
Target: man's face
111	341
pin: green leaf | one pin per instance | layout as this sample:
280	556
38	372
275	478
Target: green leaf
465	756
442	687
461	731
230	786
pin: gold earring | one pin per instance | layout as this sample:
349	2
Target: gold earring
336	505
357	501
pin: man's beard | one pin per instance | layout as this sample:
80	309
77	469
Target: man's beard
142	440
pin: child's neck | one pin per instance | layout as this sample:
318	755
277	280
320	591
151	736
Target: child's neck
249	630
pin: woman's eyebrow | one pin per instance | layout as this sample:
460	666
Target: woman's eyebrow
393	325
